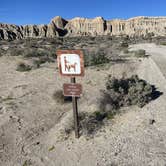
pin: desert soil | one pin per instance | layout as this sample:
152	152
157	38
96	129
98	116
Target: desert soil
33	124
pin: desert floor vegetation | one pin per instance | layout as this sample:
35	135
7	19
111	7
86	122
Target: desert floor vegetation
122	106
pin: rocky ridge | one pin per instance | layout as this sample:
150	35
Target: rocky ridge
58	26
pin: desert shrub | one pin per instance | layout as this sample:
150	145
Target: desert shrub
126	92
124	44
31	43
149	36
41	56
16	52
36	63
27	163
136	53
100	58
60	98
140	53
163	43
33	53
2	52
45	59
91	123
23	67
126	51
96	58
55	41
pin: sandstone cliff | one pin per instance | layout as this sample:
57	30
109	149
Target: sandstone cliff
83	26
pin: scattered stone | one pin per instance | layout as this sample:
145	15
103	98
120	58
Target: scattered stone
152	121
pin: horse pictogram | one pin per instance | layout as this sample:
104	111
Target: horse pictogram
69	66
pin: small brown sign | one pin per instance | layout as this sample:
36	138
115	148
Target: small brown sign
72	89
70	62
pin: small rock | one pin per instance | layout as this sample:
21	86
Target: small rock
108	107
152	121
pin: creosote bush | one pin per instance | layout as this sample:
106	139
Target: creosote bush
124	44
91	123
22	67
137	53
140	53
95	58
60	98
126	92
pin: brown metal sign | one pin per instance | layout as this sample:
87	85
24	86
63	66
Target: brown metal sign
70	62
72	89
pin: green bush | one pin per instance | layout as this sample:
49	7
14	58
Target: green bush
124	44
28	53
163	43
93	59
36	64
126	51
91	123
140	53
60	98
137	53
126	92
15	52
22	67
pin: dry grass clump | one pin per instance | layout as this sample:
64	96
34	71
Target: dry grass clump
60	98
91	123
163	43
136	53
140	53
22	67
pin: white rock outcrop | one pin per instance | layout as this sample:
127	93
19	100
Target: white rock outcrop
82	27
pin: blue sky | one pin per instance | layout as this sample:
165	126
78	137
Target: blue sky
41	11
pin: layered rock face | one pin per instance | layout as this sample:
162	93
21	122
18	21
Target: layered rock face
138	26
82	26
11	32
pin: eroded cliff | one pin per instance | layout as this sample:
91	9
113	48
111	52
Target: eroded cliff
82	26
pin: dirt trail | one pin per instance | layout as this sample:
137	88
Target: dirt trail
157	53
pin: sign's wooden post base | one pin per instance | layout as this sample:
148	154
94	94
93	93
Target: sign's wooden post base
75	111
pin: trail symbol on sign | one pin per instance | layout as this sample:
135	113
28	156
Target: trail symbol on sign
70	62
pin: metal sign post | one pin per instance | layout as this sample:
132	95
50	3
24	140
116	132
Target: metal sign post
71	64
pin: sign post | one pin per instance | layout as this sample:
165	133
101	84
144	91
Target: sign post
75	112
71	64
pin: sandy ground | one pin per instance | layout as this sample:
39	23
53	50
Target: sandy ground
32	123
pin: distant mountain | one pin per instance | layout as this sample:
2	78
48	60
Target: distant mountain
58	26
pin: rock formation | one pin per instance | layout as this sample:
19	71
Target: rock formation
82	26
138	26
